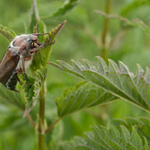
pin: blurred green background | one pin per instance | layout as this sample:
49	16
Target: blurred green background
75	41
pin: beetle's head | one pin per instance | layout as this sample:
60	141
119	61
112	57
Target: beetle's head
24	43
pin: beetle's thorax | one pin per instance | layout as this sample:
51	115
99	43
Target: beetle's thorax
22	45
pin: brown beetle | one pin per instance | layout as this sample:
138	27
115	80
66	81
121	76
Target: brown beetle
17	58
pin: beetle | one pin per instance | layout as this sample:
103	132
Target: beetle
18	57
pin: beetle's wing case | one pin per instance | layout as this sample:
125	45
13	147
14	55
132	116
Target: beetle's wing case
8	64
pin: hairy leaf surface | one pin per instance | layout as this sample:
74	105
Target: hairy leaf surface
31	92
68	5
83	95
11	97
41	58
115	79
7	33
117	137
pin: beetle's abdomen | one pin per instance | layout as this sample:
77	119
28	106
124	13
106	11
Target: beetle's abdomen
8	65
11	82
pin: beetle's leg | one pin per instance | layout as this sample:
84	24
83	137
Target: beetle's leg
15	74
23	68
16	90
35	49
40	33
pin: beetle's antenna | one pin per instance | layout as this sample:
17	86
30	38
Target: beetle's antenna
42	45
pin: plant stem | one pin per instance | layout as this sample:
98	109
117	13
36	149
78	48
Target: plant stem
30	120
41	142
41	123
35	8
105	32
104	52
52	125
42	103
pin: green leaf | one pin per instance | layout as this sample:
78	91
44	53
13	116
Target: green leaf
126	22
68	5
12	97
54	137
41	58
134	6
28	89
7	33
115	79
117	137
34	17
83	95
142	125
31	88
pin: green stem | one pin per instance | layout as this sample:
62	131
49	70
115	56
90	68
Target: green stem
42	103
104	52
41	123
52	125
30	120
41	142
105	32
35	8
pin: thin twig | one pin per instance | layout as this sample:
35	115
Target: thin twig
41	127
30	120
93	38
36	9
106	22
52	125
135	22
117	40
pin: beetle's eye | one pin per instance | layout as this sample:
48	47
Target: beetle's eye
30	40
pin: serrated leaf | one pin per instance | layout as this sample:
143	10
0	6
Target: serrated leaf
142	126
41	58
12	97
34	17
83	95
7	33
31	88
28	89
117	80
50	39
115	137
67	6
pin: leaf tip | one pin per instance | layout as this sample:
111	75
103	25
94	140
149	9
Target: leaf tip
58	60
60	26
72	60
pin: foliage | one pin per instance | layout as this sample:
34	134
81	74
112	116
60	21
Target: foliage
97	84
68	5
7	33
120	137
115	79
80	96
